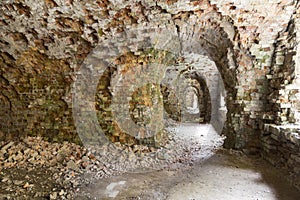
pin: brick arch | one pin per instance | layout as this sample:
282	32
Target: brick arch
205	36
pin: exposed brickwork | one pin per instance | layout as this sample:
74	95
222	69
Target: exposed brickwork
281	147
253	45
280	139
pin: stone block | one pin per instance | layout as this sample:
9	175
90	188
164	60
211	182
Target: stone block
294	137
285	105
276	137
275	129
279	60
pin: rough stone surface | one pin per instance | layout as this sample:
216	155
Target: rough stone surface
59	170
281	145
254	46
43	45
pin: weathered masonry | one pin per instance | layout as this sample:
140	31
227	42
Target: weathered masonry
231	54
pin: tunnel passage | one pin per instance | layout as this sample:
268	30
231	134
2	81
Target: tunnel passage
145	104
174	96
186	100
37	90
191	100
45	44
202	93
192	103
63	43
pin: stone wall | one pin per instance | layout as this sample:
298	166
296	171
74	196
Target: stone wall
44	44
282	83
33	92
256	32
280	138
281	147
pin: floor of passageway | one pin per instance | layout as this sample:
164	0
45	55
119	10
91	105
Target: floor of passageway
215	174
224	176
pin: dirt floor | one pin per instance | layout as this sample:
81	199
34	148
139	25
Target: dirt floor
226	175
213	174
192	166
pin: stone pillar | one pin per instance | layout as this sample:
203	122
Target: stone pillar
295	86
297	68
296	57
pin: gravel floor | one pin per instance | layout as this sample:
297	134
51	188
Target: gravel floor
225	175
185	168
35	169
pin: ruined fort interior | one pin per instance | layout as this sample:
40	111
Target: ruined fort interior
150	99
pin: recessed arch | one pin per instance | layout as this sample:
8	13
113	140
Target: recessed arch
208	38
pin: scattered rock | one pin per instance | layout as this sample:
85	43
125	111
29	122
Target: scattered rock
27	185
61	193
71	165
18	182
7	146
5	179
161	155
53	195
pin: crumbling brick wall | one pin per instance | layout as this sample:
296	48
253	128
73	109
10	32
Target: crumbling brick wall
44	43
